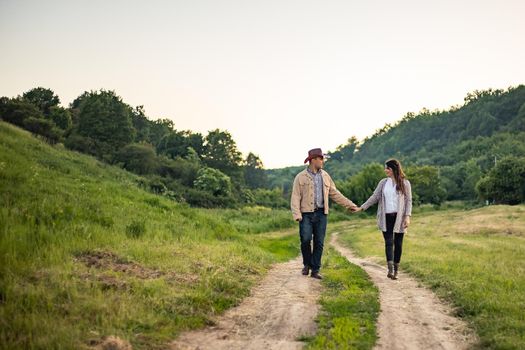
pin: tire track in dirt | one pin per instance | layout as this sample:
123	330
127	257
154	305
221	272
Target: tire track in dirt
280	309
411	316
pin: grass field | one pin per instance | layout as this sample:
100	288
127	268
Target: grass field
473	258
86	253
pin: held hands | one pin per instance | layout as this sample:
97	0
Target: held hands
356	209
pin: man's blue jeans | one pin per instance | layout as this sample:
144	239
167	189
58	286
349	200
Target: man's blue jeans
313	227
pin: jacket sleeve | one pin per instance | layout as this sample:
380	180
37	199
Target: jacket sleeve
338	197
408	204
295	202
374	198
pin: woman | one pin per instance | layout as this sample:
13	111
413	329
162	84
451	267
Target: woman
394	197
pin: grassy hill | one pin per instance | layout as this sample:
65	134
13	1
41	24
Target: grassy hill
85	252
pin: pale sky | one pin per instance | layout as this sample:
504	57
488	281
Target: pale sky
282	76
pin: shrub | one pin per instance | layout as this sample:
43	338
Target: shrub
43	127
138	158
213	181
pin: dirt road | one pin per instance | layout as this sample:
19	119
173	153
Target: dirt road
411	316
280	310
283	307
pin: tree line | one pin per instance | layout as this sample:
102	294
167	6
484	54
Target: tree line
201	170
473	152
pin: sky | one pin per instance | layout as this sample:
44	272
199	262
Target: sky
281	76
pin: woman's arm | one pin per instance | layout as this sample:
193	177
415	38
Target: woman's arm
408	204
408	199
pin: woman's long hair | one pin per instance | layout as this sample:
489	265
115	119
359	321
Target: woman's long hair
399	175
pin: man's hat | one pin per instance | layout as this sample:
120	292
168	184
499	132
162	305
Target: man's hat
314	153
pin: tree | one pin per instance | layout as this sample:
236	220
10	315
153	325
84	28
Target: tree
213	181
177	143
158	129
481	123
17	110
222	153
195	141
426	183
518	123
173	145
254	174
346	152
61	117
505	183
141	124
460	179
360	186
104	118
42	98
138	158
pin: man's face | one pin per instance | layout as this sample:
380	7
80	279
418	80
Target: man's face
317	162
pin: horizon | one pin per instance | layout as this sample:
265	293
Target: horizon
266	72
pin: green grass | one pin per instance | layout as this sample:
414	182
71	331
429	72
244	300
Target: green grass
85	253
475	259
261	219
349	307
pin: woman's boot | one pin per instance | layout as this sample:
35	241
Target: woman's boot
390	269
396	268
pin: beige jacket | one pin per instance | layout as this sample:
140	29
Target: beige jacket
302	200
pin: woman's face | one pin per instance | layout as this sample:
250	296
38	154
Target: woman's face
388	171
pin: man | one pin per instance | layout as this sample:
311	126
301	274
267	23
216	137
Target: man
309	203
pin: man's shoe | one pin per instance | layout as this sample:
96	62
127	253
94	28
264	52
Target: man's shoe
316	275
306	270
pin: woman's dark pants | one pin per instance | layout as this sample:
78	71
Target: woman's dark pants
393	241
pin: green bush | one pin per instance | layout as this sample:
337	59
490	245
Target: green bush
270	198
184	170
43	127
213	181
138	158
204	199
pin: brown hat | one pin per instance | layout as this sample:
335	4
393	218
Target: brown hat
316	152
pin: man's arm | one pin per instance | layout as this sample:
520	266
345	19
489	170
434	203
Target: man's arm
295	202
339	198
